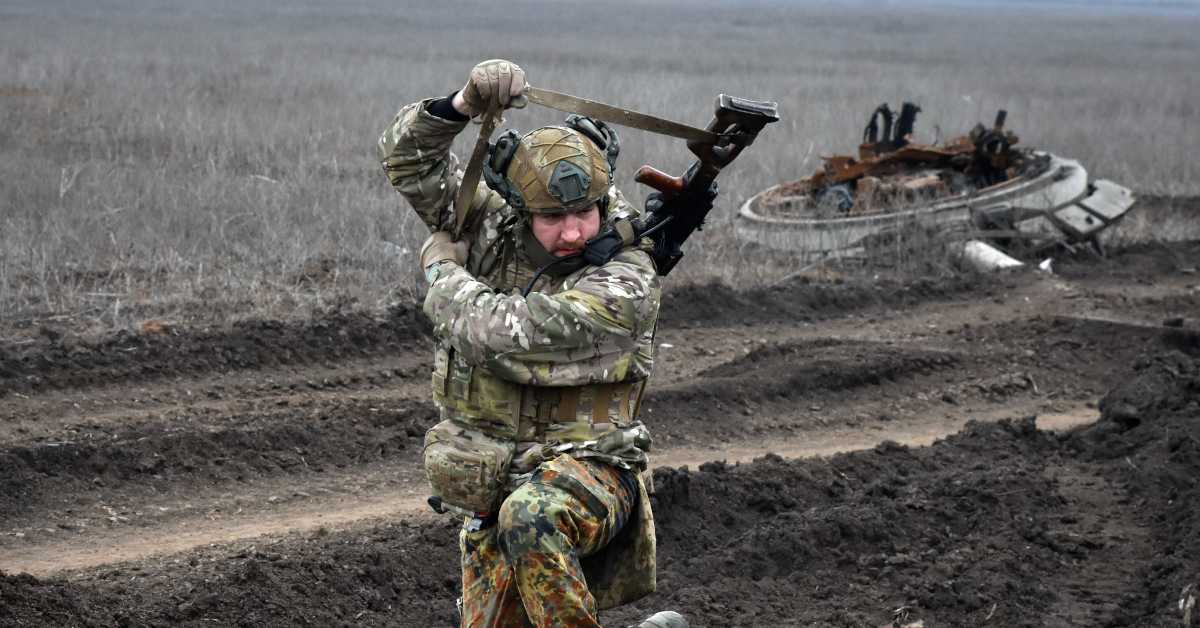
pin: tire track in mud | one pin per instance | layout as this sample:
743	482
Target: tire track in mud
317	513
276	442
156	457
1102	543
55	415
329	509
55	359
266	436
62	361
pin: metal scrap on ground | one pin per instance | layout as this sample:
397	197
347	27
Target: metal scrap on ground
977	187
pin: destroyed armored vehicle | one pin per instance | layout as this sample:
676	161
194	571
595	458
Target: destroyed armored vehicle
980	186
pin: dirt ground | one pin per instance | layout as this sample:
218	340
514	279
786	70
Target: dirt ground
1012	451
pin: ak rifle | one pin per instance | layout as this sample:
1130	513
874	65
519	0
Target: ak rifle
680	204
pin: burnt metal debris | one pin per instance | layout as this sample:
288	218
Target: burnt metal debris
981	185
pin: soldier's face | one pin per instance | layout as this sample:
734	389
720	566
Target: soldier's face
564	234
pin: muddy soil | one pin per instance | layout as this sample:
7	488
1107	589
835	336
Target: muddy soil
861	452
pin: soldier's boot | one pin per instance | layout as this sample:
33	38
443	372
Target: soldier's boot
663	619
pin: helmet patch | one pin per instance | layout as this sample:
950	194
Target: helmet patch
568	183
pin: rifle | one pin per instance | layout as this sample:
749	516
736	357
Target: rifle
680	204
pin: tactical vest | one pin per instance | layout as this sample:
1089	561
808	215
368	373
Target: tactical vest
525	413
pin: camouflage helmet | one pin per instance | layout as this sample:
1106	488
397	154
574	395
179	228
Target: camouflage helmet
554	169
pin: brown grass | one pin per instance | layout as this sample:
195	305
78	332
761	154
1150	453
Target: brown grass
190	164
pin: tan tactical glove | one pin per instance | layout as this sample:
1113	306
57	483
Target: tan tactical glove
495	82
441	247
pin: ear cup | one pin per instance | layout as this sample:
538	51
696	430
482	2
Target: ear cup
500	152
602	135
589	128
495	167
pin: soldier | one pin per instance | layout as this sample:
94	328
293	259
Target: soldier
539	447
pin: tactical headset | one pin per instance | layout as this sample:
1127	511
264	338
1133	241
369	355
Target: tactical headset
500	156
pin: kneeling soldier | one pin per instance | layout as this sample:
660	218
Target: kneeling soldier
540	446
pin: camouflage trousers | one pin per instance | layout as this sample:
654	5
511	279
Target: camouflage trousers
525	569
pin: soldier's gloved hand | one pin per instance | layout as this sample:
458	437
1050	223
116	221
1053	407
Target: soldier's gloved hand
441	247
493	83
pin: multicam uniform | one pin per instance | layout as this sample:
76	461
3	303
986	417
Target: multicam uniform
560	374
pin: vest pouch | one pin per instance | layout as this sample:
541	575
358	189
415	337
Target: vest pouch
473	395
466	467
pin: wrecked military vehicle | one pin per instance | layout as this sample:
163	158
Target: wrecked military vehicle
972	188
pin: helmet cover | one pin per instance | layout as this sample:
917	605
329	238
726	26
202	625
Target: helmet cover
557	170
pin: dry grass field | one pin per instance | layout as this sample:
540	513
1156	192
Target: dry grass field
201	161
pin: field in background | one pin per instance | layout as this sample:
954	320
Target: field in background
200	162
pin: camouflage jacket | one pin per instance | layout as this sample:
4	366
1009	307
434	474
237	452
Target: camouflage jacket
592	326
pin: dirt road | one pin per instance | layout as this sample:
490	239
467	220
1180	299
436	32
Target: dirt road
265	459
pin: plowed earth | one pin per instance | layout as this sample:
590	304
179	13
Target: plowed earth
858	453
